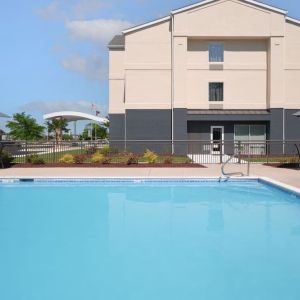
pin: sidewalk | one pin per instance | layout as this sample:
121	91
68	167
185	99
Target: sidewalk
290	177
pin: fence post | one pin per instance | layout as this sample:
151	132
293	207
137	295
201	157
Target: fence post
26	151
239	151
248	165
53	152
268	151
221	152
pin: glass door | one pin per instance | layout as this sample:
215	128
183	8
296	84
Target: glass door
217	138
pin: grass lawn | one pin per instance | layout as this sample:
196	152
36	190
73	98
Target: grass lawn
51	157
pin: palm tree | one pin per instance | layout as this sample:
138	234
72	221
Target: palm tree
58	126
25	127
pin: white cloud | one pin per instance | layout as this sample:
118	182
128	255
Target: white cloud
86	8
45	107
71	9
90	67
97	31
51	11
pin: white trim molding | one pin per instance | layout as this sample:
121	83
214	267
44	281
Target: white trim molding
145	25
293	20
256	3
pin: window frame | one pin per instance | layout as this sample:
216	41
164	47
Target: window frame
211	44
249	131
209	87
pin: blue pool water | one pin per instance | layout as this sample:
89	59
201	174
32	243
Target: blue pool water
148	241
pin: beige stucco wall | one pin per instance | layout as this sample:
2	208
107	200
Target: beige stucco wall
292	66
148	89
238	53
147	67
235	85
244	69
149	48
116	79
228	19
261	66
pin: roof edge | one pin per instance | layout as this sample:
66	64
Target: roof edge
3	115
269	7
256	3
79	115
293	20
144	25
116	47
185	8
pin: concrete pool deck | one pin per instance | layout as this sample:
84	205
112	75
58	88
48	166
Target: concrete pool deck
286	176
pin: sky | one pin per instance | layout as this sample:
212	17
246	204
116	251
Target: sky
54	55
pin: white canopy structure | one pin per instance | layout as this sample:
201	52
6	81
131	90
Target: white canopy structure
297	114
2	115
74	116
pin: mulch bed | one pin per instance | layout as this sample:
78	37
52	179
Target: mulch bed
294	166
91	165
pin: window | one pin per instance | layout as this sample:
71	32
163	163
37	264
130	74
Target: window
216	91
216	52
252	133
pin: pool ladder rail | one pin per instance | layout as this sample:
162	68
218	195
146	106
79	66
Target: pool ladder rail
228	175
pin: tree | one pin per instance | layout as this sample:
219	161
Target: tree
25	127
1	134
97	131
57	126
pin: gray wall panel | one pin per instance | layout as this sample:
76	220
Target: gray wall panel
149	124
117	130
292	125
117	126
276	124
180	131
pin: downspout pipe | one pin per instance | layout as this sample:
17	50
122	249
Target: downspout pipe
172	82
283	130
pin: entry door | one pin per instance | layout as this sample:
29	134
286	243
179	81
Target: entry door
216	139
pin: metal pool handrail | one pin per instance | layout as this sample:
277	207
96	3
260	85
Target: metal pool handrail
233	173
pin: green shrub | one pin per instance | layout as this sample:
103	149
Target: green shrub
132	159
168	159
79	159
150	156
29	158
67	159
106	160
35	159
105	150
5	159
97	157
91	150
188	160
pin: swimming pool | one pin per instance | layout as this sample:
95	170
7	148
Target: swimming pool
148	239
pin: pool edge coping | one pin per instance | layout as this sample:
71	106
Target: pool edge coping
282	186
